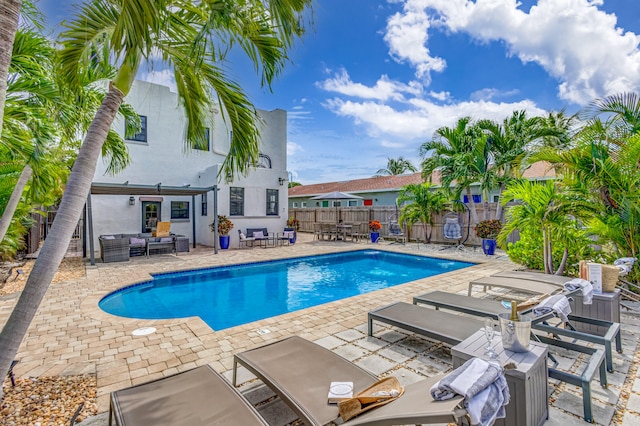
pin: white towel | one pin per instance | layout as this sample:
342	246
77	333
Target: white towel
558	304
586	286
483	386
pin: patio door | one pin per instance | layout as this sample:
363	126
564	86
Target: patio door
151	214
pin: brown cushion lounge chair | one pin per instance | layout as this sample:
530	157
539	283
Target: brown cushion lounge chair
191	398
300	373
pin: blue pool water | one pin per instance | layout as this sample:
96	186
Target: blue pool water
232	295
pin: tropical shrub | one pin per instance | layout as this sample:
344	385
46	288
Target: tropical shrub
527	251
488	229
374	225
224	225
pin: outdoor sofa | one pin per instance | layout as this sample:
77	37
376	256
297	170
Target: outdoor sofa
120	247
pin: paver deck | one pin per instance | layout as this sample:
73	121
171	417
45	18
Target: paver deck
71	335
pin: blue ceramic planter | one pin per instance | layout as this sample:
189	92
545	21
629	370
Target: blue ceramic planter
489	247
224	242
374	236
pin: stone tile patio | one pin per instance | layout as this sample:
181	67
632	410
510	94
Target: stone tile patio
71	335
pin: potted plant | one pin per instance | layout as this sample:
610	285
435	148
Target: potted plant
374	228
488	231
292	227
224	227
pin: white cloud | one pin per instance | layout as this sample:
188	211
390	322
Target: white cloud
407	35
441	96
384	89
573	40
423	117
293	148
164	77
489	93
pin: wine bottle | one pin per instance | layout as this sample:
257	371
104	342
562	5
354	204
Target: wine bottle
514	311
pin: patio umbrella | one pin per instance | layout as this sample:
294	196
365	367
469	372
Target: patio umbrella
335	196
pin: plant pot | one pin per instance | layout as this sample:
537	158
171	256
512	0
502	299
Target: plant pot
295	235
224	241
489	247
374	236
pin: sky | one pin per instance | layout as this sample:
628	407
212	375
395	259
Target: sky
372	80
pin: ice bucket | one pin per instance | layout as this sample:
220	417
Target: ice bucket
515	334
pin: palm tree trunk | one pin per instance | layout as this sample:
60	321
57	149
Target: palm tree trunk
9	15
545	252
499	209
472	208
57	241
12	205
563	263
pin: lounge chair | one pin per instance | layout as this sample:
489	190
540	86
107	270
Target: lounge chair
191	398
489	307
453	329
535	276
517	284
300	372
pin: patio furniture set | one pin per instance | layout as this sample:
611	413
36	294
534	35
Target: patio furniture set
299	372
121	247
353	232
263	238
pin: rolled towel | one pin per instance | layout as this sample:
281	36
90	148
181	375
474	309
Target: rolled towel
586	286
558	304
483	386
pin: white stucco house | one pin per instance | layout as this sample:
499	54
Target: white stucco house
167	182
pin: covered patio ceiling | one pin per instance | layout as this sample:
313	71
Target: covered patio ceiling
136	189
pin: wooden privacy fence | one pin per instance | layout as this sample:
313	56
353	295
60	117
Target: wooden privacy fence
385	215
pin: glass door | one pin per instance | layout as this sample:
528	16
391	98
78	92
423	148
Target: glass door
151	214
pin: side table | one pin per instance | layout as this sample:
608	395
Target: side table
605	306
529	405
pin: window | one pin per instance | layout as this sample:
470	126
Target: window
303	204
236	201
353	203
207	138
496	198
295	205
179	210
272	202
141	136
203	205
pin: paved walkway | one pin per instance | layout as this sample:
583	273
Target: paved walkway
71	335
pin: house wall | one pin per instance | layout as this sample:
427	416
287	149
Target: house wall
164	159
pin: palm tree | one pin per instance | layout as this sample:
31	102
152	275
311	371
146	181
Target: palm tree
424	204
8	27
510	142
397	166
192	38
460	154
544	207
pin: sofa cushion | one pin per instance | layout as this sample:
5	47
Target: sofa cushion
166	240
135	241
107	237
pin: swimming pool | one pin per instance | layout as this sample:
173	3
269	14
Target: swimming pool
232	295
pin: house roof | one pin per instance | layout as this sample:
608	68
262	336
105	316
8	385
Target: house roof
540	170
135	189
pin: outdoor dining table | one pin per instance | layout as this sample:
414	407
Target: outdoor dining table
344	228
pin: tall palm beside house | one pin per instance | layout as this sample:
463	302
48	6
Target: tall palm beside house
459	154
396	166
423	203
191	38
509	143
8	26
42	122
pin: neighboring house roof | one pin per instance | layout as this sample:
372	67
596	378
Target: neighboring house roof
538	170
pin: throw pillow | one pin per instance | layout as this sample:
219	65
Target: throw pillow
242	236
258	235
108	237
137	241
288	234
